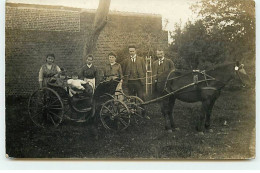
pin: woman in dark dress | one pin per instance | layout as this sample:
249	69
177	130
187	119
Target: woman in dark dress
113	71
89	72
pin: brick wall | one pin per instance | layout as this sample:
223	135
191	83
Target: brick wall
33	31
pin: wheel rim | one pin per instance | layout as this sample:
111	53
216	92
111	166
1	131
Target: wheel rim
46	108
115	115
133	103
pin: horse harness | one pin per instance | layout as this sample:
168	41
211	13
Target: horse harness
195	79
206	78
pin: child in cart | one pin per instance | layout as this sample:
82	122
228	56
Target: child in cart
75	85
61	79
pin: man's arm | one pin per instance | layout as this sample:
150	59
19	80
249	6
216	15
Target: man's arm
120	72
124	66
143	70
154	70
143	66
171	65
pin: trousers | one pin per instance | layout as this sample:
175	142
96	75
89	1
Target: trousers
135	88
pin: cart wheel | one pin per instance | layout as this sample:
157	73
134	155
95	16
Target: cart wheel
46	108
115	115
81	110
133	103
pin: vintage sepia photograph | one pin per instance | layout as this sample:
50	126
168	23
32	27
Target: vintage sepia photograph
130	79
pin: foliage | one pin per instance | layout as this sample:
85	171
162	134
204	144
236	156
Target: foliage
235	18
225	31
195	48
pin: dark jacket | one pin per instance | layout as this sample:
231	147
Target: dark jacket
89	73
157	69
113	71
140	66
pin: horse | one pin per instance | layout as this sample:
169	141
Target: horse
195	86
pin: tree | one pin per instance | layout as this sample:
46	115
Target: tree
193	47
232	21
225	31
100	22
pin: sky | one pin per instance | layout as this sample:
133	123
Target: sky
172	10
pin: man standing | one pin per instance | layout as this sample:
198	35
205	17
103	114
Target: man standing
135	73
161	65
89	72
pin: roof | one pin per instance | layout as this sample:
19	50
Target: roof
66	8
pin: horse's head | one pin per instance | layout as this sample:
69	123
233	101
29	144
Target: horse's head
229	71
240	74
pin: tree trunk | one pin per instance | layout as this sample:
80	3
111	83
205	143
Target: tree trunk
100	22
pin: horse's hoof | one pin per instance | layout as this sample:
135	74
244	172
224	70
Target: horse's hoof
169	131
201	133
147	117
177	129
210	131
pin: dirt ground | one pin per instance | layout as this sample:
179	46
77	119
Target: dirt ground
233	136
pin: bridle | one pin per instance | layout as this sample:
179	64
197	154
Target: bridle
237	72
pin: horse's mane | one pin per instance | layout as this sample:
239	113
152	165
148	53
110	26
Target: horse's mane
218	66
179	72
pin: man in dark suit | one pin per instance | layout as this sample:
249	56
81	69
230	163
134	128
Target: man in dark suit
134	71
161	65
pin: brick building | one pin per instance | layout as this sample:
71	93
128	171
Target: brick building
33	31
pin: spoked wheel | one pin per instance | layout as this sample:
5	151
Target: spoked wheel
82	109
46	108
115	115
134	105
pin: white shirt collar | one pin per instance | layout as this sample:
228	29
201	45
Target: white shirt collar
133	58
89	65
112	63
161	60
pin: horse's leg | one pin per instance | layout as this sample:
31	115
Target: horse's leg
164	108
204	110
208	114
93	126
171	111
